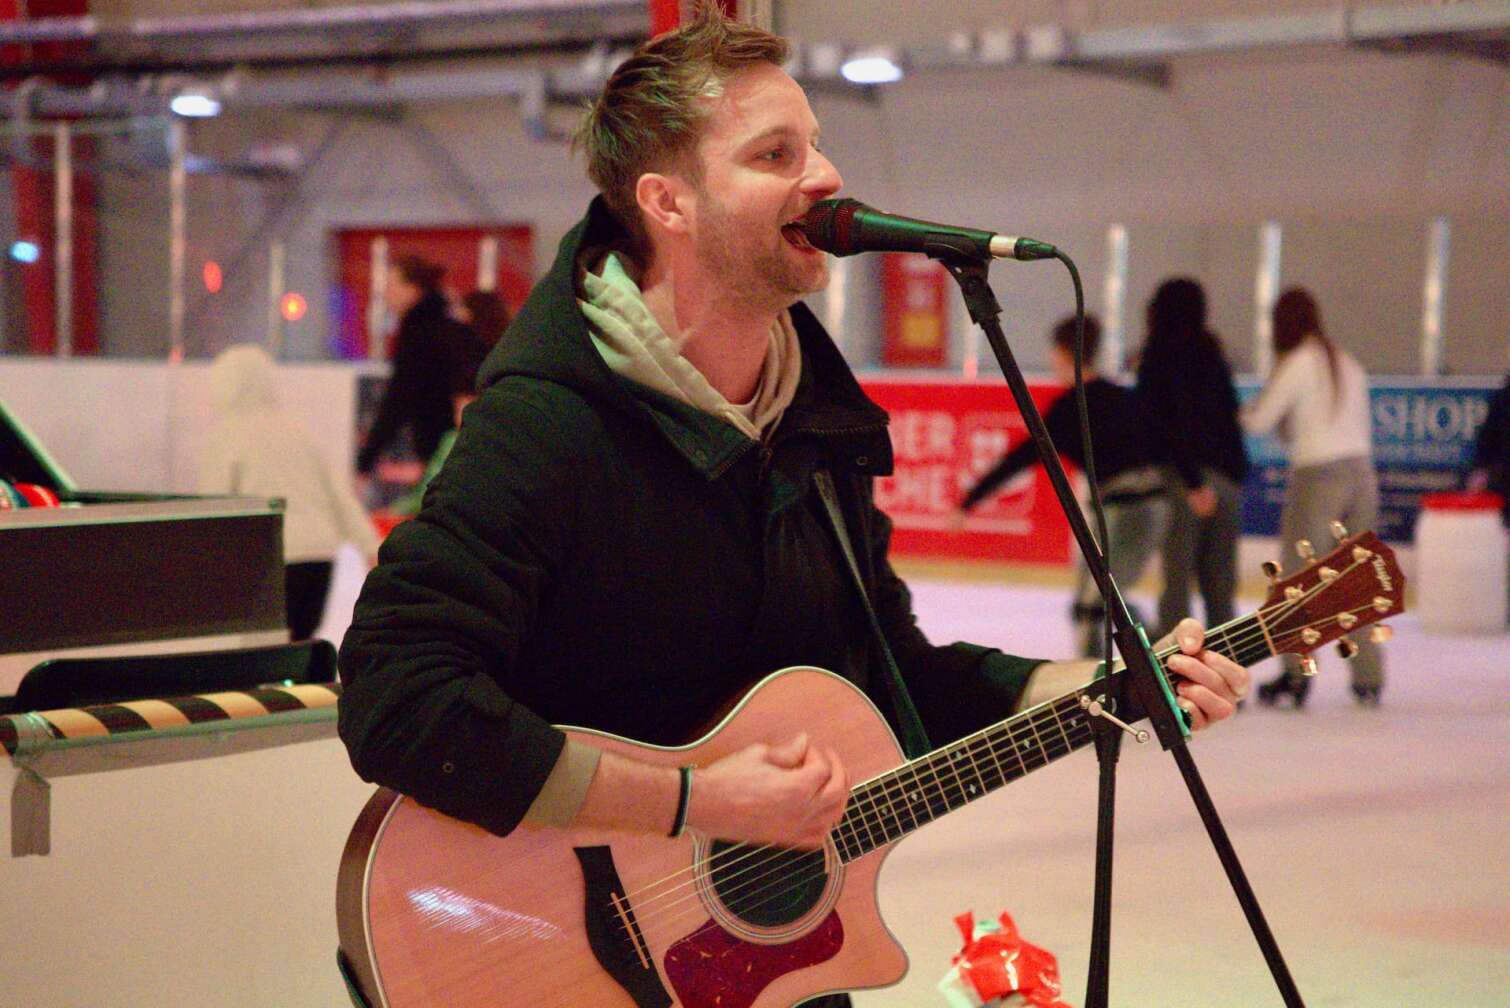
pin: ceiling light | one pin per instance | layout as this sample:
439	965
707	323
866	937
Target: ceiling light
871	68
193	105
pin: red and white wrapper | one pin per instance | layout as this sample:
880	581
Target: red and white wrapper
998	969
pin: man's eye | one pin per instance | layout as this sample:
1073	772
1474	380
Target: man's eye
774	154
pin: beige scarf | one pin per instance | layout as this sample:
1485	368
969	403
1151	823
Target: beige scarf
634	345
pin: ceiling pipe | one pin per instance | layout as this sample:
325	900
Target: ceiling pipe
410	14
1132	52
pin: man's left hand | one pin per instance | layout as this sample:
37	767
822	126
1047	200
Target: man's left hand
1214	683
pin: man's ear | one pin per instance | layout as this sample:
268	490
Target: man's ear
663	201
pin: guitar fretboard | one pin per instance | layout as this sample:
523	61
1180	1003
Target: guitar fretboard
887	808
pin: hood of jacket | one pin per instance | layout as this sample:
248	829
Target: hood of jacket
551	340
243	379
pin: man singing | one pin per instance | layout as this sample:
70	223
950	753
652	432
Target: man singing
629	530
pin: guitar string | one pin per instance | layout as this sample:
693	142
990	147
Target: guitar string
864	813
879	801
927	762
1080	729
794	881
863	791
1215	640
1082	734
733	899
879	798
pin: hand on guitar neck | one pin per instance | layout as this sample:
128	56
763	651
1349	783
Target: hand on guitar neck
1208	686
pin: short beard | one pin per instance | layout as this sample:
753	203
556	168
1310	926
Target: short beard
763	281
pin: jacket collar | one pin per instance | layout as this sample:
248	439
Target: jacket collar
549	340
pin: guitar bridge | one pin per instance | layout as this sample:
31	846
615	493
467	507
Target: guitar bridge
614	935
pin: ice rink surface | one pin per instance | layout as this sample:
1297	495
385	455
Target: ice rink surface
1375	839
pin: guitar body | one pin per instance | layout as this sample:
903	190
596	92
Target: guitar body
436	912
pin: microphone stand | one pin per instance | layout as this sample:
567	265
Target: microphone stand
1149	690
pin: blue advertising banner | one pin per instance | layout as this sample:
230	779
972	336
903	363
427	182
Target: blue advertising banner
1423	442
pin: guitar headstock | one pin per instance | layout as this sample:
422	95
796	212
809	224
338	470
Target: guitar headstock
1356	584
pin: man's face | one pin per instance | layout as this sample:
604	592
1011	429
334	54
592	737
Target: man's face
761	171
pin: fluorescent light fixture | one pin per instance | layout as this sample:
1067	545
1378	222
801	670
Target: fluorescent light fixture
192	105
871	69
25	251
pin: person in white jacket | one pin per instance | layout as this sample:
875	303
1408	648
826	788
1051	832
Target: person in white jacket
1318	399
255	449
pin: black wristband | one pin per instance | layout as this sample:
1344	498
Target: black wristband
683	800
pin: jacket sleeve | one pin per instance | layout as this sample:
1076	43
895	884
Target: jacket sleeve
443	619
958	688
1279	396
1012	463
1063	424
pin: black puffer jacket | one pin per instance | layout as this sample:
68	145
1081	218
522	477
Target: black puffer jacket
596	554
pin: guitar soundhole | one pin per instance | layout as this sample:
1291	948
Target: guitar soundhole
767	887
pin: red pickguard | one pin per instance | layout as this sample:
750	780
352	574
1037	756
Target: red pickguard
711	968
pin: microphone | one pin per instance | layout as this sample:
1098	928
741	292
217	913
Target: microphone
845	227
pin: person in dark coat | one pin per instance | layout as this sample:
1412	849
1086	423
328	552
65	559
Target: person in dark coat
426	360
1132	489
1187	390
630	529
1491	451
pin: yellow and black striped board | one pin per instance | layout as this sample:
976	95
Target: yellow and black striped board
170	712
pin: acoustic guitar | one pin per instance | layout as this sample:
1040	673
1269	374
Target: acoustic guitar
438	912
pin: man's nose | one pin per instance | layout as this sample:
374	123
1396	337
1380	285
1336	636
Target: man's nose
822	177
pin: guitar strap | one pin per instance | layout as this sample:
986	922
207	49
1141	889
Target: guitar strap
914	738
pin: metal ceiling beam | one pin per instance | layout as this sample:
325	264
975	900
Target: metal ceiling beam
1130	53
413	14
406	31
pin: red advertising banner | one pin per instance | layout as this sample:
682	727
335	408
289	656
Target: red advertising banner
915	306
945	435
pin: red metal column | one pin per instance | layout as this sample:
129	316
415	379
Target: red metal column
667	14
33	188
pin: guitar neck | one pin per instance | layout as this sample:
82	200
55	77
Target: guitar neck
887	808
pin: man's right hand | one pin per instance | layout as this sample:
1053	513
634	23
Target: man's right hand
791	794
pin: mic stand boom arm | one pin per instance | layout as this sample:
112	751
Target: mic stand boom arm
1149	687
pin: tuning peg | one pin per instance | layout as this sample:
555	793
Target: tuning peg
1339	531
1303	547
1380	632
1271	570
1308	666
1346	647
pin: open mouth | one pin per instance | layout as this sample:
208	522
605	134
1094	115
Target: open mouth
796	234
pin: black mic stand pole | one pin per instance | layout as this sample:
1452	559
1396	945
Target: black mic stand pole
1108	739
1148	689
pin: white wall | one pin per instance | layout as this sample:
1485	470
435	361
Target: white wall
139	425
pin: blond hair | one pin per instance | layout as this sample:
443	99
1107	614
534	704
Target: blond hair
653	106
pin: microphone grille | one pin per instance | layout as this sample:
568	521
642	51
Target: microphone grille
829	225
